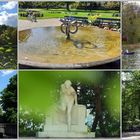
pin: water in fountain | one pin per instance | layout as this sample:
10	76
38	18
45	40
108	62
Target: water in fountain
50	46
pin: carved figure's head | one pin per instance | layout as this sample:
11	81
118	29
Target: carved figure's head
68	83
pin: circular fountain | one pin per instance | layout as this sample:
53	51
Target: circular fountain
47	47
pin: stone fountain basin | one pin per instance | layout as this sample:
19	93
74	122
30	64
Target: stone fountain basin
47	47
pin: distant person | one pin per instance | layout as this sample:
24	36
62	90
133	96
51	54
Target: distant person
29	15
34	17
126	51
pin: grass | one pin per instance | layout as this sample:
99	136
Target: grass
60	13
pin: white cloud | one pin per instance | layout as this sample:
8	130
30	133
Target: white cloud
6	72
8	18
9	5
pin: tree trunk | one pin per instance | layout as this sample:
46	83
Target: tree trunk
90	6
102	126
68	6
139	112
97	108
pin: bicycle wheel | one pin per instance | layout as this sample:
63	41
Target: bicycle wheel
73	28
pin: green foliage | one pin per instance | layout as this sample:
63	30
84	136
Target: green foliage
8	35
111	96
109	122
130	100
39	90
30	122
1	113
9	101
8	44
112	5
69	5
130	22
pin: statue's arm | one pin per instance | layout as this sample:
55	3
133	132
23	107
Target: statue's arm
75	96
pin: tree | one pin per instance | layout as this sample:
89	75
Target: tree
9	101
112	5
8	44
130	101
68	4
131	19
8	35
30	122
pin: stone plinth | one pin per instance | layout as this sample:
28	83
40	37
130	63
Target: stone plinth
56	134
56	124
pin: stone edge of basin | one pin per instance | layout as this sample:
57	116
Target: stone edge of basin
65	66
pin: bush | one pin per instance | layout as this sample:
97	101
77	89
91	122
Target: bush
136	122
116	15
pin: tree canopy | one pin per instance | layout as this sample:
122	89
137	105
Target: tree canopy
9	101
8	45
8	35
131	101
69	5
130	22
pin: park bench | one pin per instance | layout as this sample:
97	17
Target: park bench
107	22
80	20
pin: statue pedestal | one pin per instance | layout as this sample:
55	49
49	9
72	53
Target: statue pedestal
56	124
56	134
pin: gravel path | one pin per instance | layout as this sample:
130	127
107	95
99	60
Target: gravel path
26	24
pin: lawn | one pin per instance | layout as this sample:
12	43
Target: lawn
60	13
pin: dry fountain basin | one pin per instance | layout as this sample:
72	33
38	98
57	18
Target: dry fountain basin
47	47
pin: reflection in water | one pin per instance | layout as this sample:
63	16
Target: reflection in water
132	61
49	45
24	35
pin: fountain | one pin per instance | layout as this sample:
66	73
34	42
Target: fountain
54	47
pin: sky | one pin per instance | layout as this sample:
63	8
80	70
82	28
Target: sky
8	13
5	75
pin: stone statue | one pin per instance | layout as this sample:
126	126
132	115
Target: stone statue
66	119
68	98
